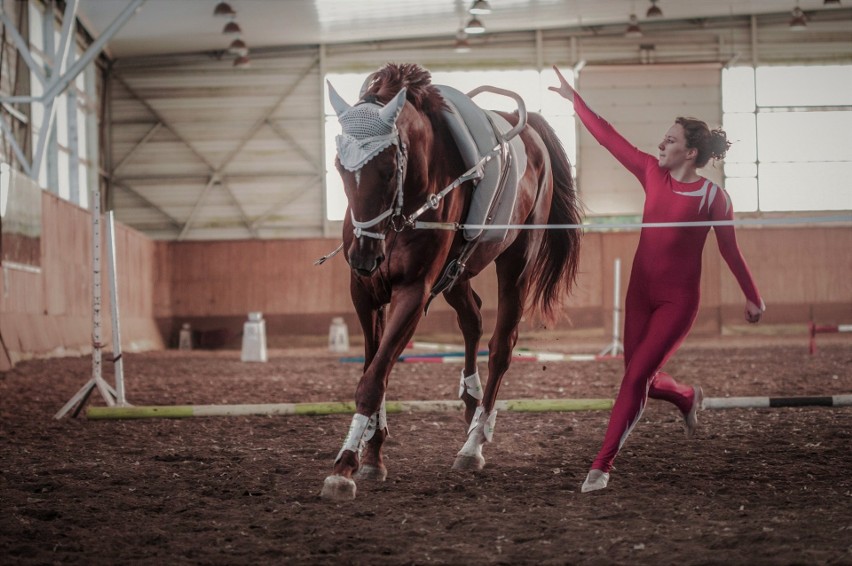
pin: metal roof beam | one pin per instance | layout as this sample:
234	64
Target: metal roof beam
249	226
290	197
285	135
138	146
176	223
259	124
186	225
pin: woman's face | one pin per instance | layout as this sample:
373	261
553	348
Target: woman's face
673	151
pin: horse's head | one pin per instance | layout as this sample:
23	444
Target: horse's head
371	159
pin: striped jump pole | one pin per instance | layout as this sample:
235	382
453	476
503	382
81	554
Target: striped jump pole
512	405
418	357
773	402
518	356
482	356
814	329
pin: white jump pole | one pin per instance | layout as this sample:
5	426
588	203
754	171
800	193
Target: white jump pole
107	392
118	362
616	347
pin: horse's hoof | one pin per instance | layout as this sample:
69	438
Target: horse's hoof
368	472
464	462
338	488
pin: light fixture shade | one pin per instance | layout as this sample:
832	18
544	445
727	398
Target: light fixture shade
238	47
480	7
462	44
232	28
799	22
242	62
633	29
224	10
474	26
654	11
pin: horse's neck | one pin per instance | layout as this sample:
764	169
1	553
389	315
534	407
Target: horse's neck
438	164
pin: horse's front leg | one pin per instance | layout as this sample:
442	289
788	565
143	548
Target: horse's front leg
371	465
512	292
467	305
369	424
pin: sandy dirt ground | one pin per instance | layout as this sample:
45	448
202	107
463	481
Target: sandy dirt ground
756	486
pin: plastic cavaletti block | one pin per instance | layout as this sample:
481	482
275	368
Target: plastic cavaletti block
185	337
254	338
338	335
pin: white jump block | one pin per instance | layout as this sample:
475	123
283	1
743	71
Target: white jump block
338	335
254	339
185	338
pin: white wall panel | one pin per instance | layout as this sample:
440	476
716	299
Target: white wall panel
641	102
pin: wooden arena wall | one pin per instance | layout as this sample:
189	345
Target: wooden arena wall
804	274
49	313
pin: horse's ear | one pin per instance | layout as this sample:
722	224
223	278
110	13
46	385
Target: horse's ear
392	109
365	85
340	106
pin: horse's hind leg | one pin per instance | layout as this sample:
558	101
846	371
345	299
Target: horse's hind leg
467	305
512	292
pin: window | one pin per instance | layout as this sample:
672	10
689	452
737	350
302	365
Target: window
69	166
792	130
531	85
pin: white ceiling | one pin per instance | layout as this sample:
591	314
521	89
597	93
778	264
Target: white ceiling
185	26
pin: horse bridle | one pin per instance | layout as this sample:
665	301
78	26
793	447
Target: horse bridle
397	220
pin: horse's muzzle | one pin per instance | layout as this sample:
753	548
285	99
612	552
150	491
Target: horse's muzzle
366	270
365	259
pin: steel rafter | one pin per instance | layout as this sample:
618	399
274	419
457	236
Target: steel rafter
217	174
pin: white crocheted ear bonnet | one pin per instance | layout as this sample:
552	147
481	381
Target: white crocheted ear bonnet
364	136
368	128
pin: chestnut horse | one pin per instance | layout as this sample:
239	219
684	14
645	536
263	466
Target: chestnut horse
396	153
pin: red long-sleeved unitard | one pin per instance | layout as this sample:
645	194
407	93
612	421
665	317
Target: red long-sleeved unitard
664	289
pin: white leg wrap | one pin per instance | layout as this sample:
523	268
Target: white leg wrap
355	434
378	421
481	431
485	422
471	384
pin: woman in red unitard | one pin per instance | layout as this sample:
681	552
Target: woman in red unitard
663	293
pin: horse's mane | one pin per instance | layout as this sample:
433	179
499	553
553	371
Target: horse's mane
385	83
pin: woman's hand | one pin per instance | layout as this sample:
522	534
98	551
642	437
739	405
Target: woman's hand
564	89
754	312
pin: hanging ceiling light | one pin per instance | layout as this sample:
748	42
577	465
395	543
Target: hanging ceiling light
242	62
238	47
799	22
462	44
654	11
474	26
633	29
232	28
480	7
831	3
224	10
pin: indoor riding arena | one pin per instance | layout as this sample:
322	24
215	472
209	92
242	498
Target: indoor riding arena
332	282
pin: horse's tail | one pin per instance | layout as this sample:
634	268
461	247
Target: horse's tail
555	268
